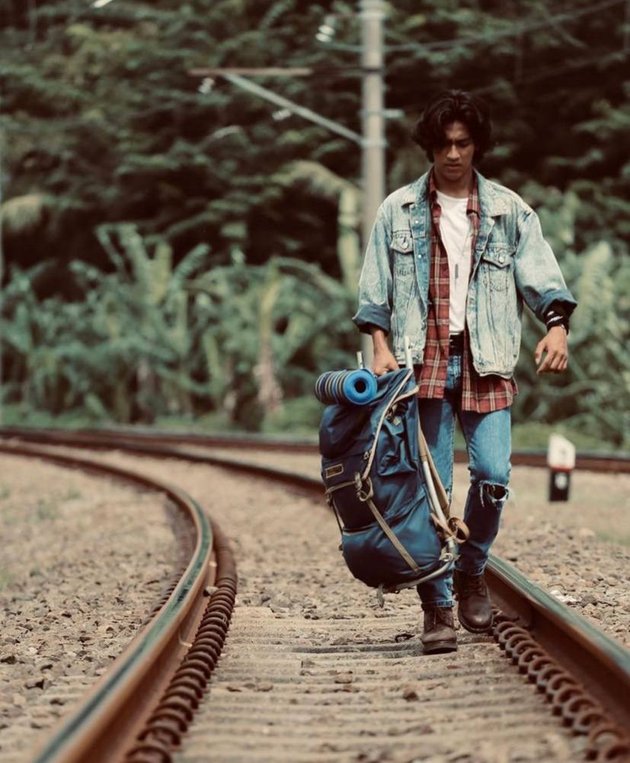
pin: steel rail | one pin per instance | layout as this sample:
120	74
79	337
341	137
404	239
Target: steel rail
546	639
114	712
601	663
587	461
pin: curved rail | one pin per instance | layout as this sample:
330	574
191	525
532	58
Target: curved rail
120	704
548	641
552	644
587	461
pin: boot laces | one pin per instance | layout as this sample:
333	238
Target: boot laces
473	584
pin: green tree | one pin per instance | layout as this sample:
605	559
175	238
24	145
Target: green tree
102	125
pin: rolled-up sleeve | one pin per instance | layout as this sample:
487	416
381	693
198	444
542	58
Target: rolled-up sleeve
537	273
375	282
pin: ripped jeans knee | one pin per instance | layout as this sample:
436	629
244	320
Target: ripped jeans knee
493	495
482	515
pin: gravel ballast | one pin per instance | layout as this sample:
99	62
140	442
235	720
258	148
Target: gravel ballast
84	561
79	572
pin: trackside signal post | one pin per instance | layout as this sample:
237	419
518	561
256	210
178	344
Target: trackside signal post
561	463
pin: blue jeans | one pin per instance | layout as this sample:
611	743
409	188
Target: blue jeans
488	442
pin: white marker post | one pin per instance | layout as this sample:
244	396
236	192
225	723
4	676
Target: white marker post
561	462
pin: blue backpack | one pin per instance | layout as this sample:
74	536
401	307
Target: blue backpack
393	535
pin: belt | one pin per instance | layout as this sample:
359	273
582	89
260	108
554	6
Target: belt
456	343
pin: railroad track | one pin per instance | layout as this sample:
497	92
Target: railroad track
344	681
598	462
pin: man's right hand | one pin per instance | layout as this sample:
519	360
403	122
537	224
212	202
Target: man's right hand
383	362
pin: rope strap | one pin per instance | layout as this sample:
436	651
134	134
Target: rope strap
454	528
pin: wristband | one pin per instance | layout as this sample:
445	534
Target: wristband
556	316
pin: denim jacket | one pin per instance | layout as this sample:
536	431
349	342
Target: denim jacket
511	263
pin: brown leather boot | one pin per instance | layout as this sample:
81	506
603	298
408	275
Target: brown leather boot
474	609
439	630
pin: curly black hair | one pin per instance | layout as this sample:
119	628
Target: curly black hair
448	107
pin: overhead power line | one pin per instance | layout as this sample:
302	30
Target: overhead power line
285	103
550	73
259	71
515	31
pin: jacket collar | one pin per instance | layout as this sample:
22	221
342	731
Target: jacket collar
491	204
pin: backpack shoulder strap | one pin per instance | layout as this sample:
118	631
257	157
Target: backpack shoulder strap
367	497
393	399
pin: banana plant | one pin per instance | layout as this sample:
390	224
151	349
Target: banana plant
325	183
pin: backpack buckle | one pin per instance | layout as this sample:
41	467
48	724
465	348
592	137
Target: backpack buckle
365	489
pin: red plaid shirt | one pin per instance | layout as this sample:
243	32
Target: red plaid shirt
480	394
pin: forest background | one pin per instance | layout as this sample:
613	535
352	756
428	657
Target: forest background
177	250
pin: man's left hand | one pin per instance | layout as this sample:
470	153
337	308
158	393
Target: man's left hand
552	352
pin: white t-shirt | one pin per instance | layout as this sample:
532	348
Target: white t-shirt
457	239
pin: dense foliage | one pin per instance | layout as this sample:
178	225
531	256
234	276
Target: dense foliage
174	244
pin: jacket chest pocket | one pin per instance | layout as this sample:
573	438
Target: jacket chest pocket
496	266
402	253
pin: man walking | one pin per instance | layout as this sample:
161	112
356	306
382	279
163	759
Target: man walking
451	259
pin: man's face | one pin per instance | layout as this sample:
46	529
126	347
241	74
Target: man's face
452	161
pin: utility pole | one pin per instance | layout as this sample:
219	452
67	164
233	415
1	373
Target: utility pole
372	138
2	152
372	14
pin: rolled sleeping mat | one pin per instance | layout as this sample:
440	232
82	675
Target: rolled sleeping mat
356	387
